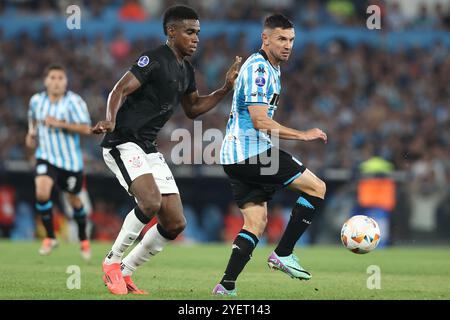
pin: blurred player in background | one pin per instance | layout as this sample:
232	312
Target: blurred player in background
246	143
139	105
69	212
57	117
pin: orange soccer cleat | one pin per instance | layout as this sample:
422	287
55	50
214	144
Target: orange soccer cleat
85	250
48	244
113	278
132	288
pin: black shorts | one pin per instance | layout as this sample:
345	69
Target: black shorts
256	180
69	181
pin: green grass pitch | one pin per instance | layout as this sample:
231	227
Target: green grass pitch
190	272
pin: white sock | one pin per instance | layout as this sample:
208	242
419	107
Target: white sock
131	229
152	243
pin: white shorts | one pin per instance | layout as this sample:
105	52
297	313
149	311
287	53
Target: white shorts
128	161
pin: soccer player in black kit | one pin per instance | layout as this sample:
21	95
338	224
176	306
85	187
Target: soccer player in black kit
139	105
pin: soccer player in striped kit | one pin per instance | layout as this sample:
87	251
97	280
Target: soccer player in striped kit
56	118
257	168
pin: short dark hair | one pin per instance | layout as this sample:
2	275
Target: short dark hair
278	21
178	13
54	66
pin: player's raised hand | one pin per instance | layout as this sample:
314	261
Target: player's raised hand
233	72
103	126
315	133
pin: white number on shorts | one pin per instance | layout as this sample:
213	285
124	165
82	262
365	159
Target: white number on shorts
71	182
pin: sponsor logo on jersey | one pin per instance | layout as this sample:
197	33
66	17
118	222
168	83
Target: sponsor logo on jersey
143	61
259	94
260	81
260	70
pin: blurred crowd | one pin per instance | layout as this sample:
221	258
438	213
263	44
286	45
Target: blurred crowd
307	13
369	100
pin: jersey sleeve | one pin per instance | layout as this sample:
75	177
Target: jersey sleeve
144	68
78	111
256	84
192	87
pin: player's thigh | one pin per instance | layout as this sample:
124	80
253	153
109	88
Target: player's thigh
309	183
162	174
255	217
45	178
44	185
69	182
146	192
171	213
134	171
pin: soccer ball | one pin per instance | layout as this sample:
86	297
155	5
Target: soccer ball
360	234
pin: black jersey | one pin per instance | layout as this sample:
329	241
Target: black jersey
164	81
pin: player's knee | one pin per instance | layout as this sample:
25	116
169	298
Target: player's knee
150	205
257	225
74	200
317	189
42	196
321	189
261	226
176	227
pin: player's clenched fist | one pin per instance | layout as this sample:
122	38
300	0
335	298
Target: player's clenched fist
103	127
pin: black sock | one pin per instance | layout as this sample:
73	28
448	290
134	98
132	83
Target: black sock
243	247
44	209
300	220
79	216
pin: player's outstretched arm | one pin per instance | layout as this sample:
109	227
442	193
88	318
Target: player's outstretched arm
261	121
125	86
80	128
195	105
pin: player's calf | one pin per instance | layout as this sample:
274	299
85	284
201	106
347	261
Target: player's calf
242	249
257	227
255	218
303	213
171	221
44	209
132	226
153	243
173	229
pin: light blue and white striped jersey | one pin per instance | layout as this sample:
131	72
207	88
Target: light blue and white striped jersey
258	83
59	147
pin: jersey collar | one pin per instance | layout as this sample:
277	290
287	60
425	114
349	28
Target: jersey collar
180	64
62	97
265	56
